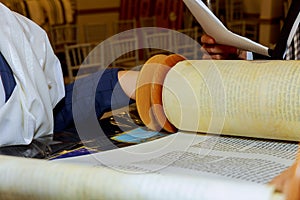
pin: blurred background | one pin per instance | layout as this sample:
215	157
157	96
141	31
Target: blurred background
88	22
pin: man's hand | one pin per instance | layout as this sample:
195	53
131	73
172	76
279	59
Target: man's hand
212	50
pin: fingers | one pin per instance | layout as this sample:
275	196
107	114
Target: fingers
206	39
281	181
288	182
211	50
221	50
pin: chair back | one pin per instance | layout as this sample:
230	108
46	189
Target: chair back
161	40
129	59
61	35
237	23
234	10
79	56
187	44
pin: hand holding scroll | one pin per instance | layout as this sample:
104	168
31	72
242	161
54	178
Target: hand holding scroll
212	50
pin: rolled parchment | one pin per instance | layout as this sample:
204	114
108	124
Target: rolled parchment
244	98
234	97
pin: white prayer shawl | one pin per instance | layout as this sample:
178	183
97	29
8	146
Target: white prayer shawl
39	87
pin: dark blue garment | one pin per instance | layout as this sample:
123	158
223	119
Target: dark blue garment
7	77
108	95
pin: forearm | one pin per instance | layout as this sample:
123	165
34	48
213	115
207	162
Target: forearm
112	91
127	80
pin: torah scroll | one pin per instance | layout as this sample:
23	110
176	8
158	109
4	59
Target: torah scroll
244	98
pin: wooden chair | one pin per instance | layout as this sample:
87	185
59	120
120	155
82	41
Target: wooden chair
187	44
159	41
79	56
236	22
62	35
125	49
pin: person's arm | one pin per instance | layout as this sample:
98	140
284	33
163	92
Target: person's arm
127	80
212	50
113	91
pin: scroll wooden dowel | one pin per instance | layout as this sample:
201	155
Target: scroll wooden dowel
149	91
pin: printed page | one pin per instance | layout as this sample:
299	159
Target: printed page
218	157
214	27
244	98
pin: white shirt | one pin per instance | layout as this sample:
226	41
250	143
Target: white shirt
39	80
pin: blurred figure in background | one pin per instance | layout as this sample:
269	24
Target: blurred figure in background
287	47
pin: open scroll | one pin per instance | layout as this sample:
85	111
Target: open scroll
255	99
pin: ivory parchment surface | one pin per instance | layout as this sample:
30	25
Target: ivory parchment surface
34	179
245	98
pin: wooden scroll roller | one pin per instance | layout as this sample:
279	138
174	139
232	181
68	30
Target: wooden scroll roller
149	91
